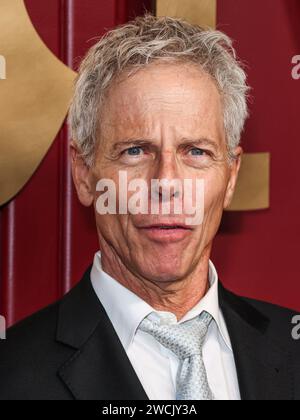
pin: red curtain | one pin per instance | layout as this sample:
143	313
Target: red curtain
48	239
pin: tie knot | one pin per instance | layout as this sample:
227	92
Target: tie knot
185	339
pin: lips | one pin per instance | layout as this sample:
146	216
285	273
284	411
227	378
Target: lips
166	226
166	232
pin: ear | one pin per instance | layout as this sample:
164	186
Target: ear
234	171
81	176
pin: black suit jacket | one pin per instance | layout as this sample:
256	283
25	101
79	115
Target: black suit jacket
70	351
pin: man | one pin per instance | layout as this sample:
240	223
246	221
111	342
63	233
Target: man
155	99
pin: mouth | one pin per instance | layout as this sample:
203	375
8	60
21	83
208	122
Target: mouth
167	226
166	232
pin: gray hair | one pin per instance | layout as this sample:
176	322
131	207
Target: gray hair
138	43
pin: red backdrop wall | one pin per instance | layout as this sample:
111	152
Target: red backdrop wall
47	239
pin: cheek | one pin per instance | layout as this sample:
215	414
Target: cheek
214	192
114	230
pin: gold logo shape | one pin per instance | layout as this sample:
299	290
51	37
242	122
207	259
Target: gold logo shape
34	97
200	12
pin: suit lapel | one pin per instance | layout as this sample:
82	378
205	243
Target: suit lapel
99	368
264	369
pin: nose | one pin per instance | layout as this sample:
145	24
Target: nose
166	167
167	172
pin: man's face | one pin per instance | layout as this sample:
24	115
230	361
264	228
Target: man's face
165	121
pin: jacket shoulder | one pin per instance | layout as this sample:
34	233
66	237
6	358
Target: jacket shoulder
29	357
281	323
270	309
32	328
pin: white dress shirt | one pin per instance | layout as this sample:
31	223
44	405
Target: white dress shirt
156	366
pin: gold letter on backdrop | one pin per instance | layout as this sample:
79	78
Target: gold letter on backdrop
34	98
201	12
252	192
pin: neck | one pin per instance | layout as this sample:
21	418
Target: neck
178	296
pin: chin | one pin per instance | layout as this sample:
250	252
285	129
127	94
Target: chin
163	271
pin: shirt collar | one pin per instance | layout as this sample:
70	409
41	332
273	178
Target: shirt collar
126	310
210	304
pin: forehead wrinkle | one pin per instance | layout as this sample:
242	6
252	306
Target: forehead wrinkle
140	101
136	113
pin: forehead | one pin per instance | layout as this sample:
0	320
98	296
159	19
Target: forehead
163	94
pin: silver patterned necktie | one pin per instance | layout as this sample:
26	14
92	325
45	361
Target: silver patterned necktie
186	341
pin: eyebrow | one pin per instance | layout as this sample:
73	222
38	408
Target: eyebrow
183	142
200	142
128	142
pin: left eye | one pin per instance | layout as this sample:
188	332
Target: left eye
197	152
134	151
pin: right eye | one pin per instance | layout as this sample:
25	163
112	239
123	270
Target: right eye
133	151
